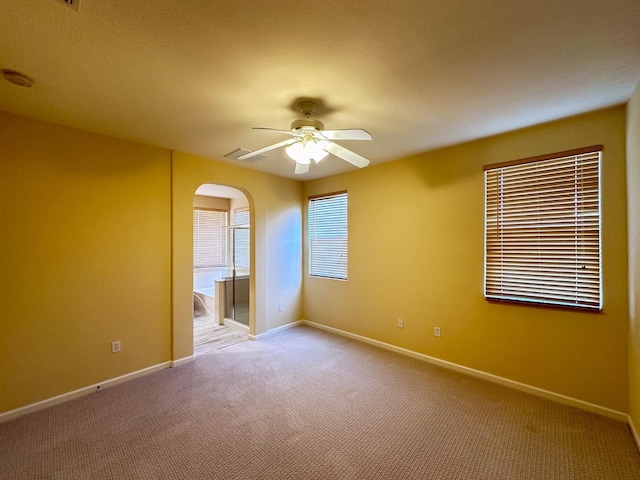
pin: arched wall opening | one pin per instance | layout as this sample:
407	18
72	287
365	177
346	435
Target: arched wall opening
276	246
221	267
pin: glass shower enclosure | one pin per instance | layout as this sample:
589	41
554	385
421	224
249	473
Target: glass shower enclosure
236	301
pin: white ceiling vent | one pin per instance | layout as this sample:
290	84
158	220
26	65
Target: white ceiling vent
75	4
242	151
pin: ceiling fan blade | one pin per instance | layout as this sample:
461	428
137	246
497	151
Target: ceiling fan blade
346	155
353	134
301	168
288	132
266	149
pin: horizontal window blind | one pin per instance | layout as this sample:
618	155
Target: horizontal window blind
209	238
241	238
542	231
328	236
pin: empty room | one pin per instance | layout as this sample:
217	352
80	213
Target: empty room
412	230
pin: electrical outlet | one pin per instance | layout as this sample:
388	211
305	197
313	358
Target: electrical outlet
436	331
115	346
400	323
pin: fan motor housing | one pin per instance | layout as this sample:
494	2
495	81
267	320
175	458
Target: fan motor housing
307	122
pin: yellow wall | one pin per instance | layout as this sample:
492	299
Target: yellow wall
633	202
96	246
216	203
276	233
85	259
86	255
416	252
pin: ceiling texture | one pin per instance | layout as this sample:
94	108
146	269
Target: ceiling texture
195	76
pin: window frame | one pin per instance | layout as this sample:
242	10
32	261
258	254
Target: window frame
333	244
244	243
515	242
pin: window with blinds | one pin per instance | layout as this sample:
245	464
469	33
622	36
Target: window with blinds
542	230
327	232
241	218
209	238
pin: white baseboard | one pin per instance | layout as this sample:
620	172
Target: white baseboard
557	397
277	329
634	432
236	326
65	397
182	361
574	402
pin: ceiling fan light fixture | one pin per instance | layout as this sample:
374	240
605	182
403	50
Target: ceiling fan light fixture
306	150
311	142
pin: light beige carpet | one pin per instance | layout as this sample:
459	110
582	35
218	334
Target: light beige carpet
305	404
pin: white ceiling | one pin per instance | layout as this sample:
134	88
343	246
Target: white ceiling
195	76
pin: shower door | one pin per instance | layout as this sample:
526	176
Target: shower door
237	284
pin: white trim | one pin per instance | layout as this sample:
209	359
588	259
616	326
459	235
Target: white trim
182	361
81	392
277	329
557	397
634	432
236	326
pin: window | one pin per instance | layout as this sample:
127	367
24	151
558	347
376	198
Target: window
542	230
241	218
328	236
209	238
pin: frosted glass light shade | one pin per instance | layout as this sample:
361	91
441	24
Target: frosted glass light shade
305	151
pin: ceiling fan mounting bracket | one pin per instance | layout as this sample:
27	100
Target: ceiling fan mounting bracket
307	107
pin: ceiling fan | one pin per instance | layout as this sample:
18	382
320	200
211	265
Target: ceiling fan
311	142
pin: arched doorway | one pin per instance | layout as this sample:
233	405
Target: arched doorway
221	267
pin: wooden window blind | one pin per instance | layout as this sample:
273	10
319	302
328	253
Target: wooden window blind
542	230
209	238
241	218
328	236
